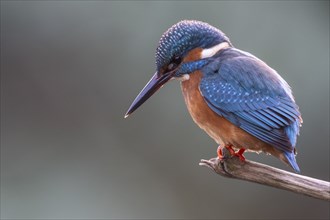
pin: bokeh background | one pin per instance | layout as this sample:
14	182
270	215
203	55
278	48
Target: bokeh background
70	70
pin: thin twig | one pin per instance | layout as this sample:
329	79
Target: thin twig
259	173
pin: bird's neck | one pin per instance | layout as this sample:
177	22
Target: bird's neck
197	58
192	66
210	52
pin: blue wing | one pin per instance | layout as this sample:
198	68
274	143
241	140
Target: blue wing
254	97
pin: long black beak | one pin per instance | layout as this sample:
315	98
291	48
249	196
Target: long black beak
155	83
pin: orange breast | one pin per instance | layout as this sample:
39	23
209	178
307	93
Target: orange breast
216	126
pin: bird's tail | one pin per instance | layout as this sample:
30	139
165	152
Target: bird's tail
291	159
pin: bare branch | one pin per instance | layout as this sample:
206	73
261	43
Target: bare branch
259	173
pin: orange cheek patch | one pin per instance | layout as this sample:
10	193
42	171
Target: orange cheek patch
193	55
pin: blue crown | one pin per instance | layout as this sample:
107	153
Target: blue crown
185	36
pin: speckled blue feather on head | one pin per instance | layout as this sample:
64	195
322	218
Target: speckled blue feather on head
185	36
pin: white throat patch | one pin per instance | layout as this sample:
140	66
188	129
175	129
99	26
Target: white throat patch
213	50
183	78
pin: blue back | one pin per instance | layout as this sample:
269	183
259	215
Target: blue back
252	96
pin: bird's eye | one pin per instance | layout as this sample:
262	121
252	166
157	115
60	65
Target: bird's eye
174	63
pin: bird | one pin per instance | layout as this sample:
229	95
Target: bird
235	97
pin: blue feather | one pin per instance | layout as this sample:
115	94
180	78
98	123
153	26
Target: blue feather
266	120
292	161
267	111
273	119
292	131
249	116
252	96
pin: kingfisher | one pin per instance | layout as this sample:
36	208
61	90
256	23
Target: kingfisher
235	97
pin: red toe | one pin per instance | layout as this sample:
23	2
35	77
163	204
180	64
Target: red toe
230	149
219	152
239	154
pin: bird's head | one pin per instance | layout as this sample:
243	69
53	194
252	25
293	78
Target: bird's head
183	48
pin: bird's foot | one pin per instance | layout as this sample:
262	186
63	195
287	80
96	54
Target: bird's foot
220	154
232	152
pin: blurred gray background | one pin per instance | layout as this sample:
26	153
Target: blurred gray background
70	70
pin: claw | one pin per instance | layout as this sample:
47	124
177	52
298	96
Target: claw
219	152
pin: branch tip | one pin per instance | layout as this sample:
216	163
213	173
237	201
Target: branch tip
251	171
